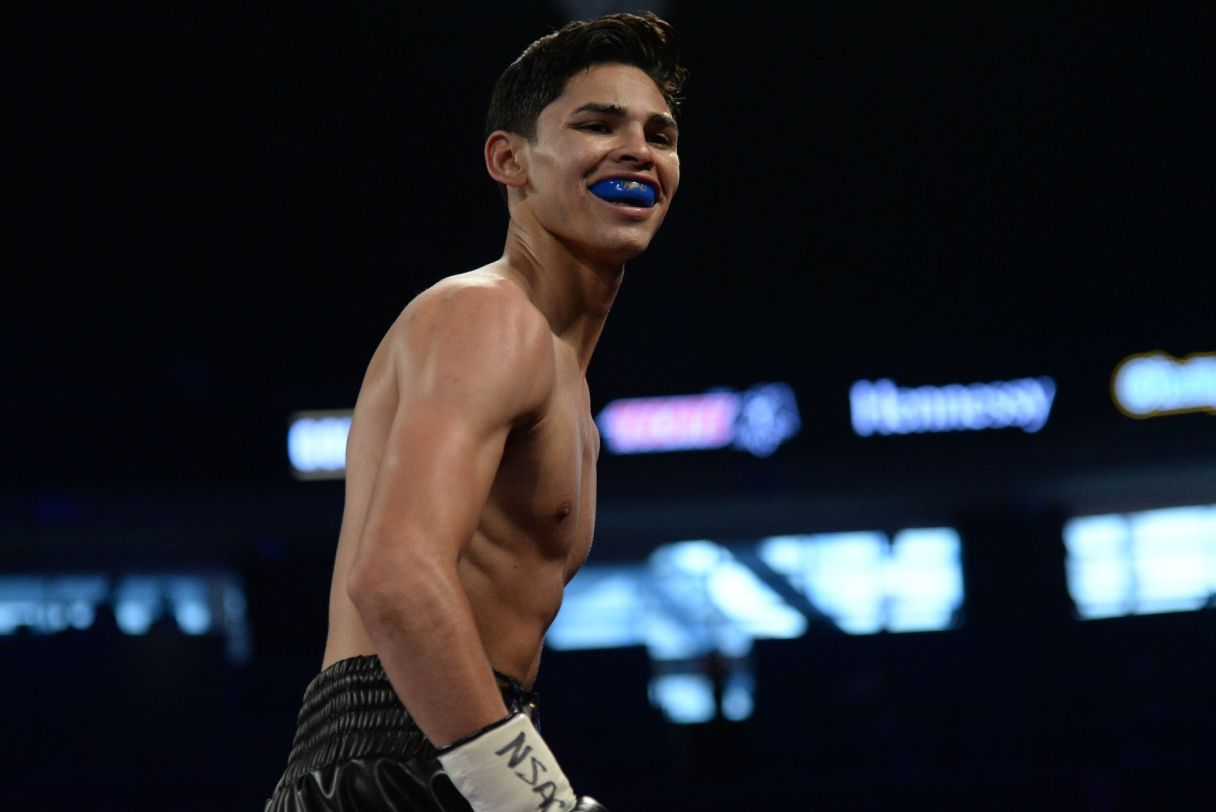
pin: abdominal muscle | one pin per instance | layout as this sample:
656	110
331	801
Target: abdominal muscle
513	602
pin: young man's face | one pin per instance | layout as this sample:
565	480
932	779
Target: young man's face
610	122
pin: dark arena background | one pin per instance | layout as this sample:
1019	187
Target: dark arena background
908	489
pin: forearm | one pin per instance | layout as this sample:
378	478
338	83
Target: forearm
420	620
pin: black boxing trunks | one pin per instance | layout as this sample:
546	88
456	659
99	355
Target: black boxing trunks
357	748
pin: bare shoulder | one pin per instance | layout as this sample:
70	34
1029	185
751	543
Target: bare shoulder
476	333
474	311
480	300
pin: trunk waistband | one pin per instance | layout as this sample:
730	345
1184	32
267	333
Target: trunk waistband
350	710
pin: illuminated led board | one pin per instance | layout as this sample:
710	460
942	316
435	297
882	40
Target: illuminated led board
199	604
867	584
316	443
1155	384
757	420
695	599
690	598
1142	563
882	407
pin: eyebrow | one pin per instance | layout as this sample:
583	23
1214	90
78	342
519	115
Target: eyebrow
658	120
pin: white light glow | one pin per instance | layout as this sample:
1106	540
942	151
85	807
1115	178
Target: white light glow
1141	563
48	605
316	444
80	615
697	599
193	617
602	608
708	583
1156	383
738	697
684	698
133	616
866	585
924	580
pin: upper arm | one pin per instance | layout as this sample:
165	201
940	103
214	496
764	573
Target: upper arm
470	364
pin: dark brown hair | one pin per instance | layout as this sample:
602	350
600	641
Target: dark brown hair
539	75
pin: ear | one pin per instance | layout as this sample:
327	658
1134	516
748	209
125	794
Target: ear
506	158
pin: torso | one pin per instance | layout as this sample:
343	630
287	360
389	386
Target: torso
533	533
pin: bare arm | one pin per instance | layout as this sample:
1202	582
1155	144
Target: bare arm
471	364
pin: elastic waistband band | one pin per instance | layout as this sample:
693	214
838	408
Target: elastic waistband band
350	710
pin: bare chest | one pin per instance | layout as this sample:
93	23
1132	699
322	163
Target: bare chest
545	486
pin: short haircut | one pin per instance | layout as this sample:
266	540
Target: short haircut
539	75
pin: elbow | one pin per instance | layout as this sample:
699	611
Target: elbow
367	585
376	586
378	603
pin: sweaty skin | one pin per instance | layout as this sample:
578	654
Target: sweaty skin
470	478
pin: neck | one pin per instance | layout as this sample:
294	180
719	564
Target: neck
574	292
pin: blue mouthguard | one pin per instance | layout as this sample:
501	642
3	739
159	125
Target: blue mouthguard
618	190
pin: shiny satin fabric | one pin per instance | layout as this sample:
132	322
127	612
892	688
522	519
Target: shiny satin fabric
356	748
370	785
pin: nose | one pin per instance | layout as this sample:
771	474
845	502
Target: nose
634	148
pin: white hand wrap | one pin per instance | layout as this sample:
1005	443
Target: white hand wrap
508	768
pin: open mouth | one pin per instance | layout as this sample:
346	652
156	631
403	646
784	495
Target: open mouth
625	192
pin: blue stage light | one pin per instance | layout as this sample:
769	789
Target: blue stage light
1142	563
684	698
200	603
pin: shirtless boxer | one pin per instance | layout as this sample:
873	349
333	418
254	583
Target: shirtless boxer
470	478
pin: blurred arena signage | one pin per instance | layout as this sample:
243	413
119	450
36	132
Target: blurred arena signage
316	443
700	601
882	407
1155	384
757	420
201	603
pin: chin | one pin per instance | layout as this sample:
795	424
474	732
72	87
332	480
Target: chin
613	244
626	246
619	254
